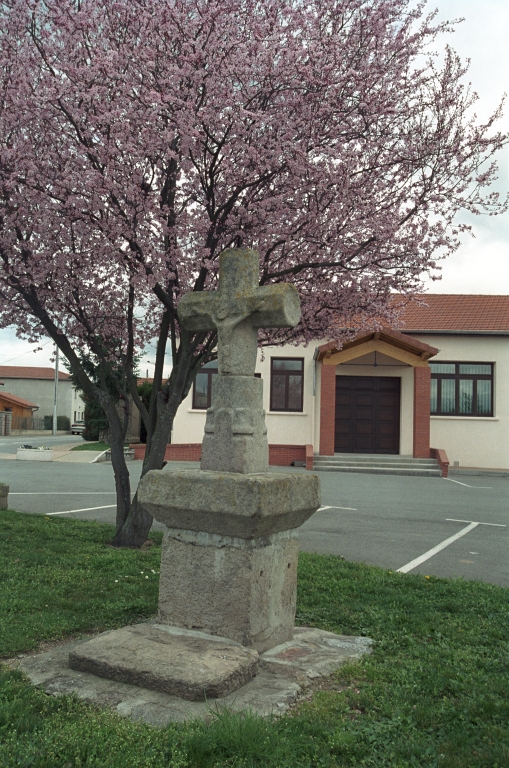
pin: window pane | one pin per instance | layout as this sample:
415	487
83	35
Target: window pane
294	393
466	396
212	364
479	369
448	396
278	392
201	390
434	396
483	397
443	367
286	365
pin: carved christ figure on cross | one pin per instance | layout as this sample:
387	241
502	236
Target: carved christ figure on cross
238	309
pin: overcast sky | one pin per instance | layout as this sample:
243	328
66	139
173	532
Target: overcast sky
481	265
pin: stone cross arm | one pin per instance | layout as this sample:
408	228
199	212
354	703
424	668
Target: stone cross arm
238	309
274	306
240	297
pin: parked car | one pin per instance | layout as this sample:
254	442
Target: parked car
77	428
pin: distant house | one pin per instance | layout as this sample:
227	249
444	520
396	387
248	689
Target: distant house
37	385
12	409
440	380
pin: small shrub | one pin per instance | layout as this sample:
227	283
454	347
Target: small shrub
63	423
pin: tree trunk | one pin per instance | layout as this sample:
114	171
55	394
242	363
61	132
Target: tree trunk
134	530
132	522
118	462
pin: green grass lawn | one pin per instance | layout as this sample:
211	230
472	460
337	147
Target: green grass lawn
91	447
433	693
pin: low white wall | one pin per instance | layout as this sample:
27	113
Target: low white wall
475	441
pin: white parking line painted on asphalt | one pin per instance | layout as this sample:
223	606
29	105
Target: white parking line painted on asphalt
351	509
439	547
62	493
482	487
426	556
87	509
453	520
99	457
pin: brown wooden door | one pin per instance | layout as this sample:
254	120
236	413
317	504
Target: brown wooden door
367	414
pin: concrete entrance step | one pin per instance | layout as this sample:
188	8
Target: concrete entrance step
363	458
378	465
381	471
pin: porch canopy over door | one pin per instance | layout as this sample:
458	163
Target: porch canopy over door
389	343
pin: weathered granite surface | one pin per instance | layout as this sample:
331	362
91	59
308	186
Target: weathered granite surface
230	504
235	438
150	656
229	562
244	589
238	309
283	673
230	552
235	433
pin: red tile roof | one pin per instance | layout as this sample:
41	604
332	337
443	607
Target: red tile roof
456	312
389	335
17	400
30	372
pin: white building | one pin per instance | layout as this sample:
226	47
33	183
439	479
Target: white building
439	382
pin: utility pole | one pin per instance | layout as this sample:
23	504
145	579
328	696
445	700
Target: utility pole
55	396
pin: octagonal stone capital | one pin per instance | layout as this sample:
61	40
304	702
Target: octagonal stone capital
230	504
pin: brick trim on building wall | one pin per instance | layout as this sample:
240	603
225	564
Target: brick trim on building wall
283	455
173	452
327	409
443	462
279	455
422	377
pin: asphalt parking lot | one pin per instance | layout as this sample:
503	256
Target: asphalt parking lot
456	528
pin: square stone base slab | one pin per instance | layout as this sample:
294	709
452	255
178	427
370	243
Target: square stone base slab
282	673
157	658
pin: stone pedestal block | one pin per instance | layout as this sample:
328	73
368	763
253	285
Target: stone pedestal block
229	561
243	589
229	504
235	437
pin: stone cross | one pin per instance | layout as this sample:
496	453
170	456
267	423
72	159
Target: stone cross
230	547
238	309
235	433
